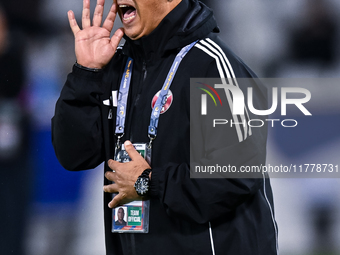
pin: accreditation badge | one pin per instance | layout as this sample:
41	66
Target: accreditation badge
132	217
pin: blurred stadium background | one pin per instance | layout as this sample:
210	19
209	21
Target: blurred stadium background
48	210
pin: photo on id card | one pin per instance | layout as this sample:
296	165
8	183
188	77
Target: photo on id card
132	217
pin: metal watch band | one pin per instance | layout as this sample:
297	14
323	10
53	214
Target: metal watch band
146	173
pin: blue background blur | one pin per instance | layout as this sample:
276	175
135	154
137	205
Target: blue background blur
61	211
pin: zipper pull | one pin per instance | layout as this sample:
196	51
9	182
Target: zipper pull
144	71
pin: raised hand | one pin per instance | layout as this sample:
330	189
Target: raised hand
93	46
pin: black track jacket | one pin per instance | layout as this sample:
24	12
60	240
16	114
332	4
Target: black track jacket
187	216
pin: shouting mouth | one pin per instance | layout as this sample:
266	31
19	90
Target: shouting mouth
128	13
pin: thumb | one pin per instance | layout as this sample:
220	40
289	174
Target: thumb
130	149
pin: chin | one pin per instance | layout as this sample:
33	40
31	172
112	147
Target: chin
130	34
132	37
133	33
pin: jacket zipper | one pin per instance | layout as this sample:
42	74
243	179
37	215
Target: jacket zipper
144	71
144	75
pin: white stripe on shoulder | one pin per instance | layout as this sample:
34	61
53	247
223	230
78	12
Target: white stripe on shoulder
219	56
222	76
213	47
232	73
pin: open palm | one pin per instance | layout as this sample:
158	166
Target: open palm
93	46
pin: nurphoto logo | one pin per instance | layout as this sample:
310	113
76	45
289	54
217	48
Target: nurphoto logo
240	105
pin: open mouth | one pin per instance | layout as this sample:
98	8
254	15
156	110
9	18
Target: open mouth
128	12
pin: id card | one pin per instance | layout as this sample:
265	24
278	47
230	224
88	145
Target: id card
132	217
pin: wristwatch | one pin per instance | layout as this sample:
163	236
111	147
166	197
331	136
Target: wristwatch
142	185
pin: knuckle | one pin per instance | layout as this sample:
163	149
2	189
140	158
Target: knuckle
108	174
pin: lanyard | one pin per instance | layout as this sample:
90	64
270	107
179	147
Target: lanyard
122	98
161	100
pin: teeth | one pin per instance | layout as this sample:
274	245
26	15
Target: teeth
129	18
123	5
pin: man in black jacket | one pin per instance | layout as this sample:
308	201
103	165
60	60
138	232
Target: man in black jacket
187	215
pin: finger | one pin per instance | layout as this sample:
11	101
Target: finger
116	200
113	164
131	150
98	13
117	36
73	23
86	22
112	188
110	19
110	176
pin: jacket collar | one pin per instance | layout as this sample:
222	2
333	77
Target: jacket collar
190	20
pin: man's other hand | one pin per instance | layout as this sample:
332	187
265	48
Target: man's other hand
124	176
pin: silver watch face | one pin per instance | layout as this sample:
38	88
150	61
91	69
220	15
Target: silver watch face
142	186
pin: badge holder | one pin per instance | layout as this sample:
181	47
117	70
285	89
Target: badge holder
132	217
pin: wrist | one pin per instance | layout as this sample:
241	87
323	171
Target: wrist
142	184
87	68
